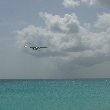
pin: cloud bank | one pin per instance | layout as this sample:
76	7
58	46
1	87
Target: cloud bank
67	39
71	44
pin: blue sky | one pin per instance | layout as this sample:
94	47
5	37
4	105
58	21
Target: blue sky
77	33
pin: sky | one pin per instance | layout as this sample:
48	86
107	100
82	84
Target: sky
76	32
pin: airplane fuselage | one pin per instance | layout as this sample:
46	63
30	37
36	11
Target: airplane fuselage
36	48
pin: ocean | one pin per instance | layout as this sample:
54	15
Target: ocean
79	94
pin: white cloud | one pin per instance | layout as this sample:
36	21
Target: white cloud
57	33
71	3
67	41
97	2
103	21
90	2
76	3
65	24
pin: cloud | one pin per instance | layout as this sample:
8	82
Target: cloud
90	2
71	3
69	43
105	3
57	33
103	21
76	3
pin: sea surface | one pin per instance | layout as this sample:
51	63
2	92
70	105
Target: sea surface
85	94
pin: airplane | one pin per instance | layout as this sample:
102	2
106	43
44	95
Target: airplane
36	48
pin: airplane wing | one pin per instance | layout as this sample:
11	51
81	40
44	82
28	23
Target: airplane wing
43	47
35	47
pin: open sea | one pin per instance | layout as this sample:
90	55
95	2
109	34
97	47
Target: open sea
85	94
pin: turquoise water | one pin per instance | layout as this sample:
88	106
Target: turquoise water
55	94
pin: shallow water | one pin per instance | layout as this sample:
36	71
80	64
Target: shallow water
92	94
